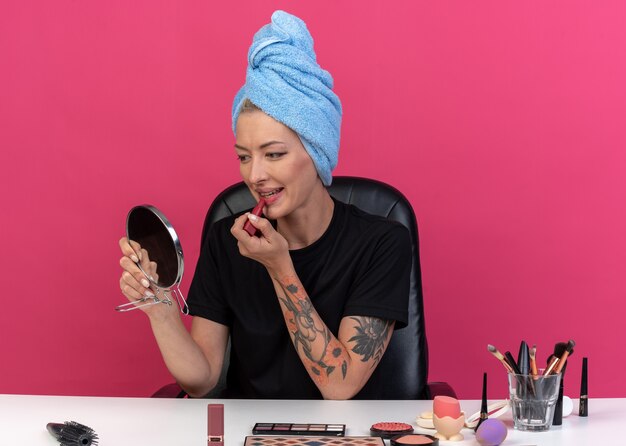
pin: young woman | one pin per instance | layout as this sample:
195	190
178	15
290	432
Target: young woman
311	303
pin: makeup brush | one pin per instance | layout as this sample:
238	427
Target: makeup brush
561	351
569	349
533	361
495	352
484	411
523	359
72	433
512	363
552	362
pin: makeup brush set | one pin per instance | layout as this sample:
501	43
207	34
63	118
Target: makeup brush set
531	386
527	359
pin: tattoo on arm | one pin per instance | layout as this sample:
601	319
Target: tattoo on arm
372	333
306	329
306	332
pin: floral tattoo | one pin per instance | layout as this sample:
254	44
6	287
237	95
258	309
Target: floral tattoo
370	339
314	339
306	332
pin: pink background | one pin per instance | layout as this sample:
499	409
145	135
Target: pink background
502	122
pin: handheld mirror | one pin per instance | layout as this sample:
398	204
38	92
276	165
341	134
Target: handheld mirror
148	226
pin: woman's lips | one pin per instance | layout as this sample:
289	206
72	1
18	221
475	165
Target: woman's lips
269	199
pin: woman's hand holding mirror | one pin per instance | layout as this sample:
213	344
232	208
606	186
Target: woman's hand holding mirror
139	276
134	281
150	243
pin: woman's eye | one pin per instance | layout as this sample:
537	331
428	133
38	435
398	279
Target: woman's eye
275	155
243	158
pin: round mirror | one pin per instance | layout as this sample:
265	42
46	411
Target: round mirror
148	226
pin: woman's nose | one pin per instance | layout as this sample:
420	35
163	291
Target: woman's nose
257	171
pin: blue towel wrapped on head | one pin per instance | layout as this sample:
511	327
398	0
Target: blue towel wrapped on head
284	80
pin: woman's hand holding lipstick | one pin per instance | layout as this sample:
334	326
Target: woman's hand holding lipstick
257	211
269	248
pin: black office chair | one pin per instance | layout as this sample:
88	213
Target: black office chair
403	371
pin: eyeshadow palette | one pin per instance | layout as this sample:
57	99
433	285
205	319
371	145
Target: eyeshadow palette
335	430
313	441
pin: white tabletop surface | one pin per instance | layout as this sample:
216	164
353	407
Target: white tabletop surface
155	422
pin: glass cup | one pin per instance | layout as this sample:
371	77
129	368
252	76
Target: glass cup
533	400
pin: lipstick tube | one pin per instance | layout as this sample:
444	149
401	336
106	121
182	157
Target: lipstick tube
215	425
258	210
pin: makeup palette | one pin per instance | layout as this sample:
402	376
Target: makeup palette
313	441
334	430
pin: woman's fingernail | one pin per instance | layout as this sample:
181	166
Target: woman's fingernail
134	258
145	283
148	293
252	217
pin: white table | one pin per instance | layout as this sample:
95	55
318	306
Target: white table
156	422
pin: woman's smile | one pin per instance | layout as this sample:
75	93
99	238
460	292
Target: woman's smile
271	195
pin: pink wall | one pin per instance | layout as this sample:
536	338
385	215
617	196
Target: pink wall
503	122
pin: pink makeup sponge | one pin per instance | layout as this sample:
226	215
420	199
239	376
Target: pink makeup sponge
446	406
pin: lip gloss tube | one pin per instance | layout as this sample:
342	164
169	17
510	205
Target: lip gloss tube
215	426
249	227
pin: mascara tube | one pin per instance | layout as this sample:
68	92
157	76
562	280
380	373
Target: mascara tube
583	402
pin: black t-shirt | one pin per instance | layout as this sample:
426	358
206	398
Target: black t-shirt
359	267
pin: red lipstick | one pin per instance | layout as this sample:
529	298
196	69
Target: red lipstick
258	210
215	427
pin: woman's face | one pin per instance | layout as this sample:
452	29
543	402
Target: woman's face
274	164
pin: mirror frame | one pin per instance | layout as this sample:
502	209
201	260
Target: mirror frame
174	238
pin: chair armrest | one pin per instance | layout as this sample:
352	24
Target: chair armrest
436	388
172	390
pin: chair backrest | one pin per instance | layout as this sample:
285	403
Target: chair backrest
403	371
